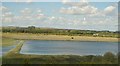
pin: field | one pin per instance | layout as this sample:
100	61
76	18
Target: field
30	36
8	42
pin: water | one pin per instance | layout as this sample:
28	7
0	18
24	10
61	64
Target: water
6	49
39	47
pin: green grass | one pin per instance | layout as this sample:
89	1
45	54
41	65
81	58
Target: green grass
8	42
55	59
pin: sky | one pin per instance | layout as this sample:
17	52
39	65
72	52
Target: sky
81	15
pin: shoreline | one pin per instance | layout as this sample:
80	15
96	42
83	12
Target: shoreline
29	36
15	50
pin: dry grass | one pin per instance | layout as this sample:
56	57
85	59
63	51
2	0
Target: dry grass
29	36
7	42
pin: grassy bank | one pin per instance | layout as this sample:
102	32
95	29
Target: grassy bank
8	42
30	36
15	50
58	59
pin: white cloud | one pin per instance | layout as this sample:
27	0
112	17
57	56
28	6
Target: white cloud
51	18
26	15
65	1
26	11
8	14
109	9
29	14
29	1
40	16
3	9
39	11
84	8
81	3
7	17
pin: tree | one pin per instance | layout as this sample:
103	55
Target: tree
72	38
109	57
31	27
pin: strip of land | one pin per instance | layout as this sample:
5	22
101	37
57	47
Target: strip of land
30	36
15	50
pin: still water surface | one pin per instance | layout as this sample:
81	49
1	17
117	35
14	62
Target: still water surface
6	49
40	47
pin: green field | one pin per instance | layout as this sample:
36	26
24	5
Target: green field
8	42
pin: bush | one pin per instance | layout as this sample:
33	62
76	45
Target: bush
72	38
109	57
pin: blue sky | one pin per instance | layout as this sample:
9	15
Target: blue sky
67	15
58	0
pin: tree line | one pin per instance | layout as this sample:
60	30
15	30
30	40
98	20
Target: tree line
36	30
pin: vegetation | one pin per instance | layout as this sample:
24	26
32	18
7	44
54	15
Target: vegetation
58	59
31	36
71	32
8	42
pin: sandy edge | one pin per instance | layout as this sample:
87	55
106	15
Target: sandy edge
28	36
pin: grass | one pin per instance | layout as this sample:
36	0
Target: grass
30	36
54	59
8	42
15	50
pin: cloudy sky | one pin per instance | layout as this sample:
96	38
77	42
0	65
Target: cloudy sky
67	15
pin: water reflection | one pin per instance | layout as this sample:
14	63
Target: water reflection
68	47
